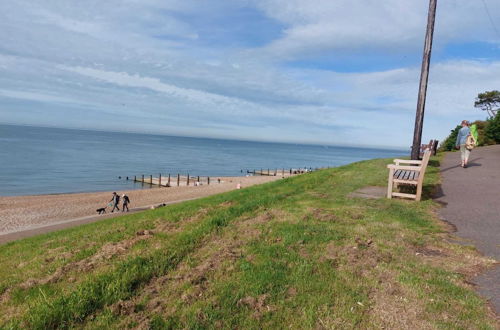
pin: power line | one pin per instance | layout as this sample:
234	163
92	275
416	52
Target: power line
491	19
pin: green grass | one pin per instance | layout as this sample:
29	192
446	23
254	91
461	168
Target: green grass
293	253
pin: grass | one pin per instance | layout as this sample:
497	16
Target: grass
295	253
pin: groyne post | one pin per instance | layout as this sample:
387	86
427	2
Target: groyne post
208	180
151	179
168	182
178	179
159	180
188	180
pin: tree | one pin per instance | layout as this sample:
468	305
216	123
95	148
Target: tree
481	126
489	102
493	129
449	143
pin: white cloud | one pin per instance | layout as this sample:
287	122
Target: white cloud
147	65
393	26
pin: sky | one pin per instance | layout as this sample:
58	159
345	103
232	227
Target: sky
332	72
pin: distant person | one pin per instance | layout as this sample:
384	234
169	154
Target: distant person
126	201
115	200
463	133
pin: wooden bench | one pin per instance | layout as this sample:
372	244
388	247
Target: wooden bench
432	145
410	173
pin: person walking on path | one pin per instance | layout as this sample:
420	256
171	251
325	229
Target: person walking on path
126	201
470	203
463	133
115	200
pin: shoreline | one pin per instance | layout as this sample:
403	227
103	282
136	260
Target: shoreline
29	212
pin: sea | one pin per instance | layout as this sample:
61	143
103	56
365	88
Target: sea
41	160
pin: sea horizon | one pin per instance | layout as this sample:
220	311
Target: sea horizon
47	160
361	146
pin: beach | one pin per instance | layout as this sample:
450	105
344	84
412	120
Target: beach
20	213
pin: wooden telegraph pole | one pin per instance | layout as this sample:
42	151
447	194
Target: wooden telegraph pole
424	77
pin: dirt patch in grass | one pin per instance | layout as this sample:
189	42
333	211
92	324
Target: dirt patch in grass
442	255
106	252
429	252
359	257
189	282
257	304
394	307
320	215
170	227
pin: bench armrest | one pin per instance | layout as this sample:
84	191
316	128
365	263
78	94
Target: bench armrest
406	161
405	168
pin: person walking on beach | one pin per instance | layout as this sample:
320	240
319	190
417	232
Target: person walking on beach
126	201
463	133
115	200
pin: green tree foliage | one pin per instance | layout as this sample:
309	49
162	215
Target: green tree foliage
449	143
482	139
489	102
492	131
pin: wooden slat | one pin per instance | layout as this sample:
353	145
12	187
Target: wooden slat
413	182
405	168
405	161
404	195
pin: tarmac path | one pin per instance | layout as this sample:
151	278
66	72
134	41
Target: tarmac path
471	199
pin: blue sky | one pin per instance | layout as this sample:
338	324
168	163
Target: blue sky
327	72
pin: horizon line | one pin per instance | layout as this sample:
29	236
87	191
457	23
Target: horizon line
359	146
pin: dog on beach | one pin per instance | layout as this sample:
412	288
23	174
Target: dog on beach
101	210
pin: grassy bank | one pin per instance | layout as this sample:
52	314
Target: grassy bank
293	253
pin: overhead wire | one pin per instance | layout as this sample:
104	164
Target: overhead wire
491	19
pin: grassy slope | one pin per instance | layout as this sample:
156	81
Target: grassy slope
297	253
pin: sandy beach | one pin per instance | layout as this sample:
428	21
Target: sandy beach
20	213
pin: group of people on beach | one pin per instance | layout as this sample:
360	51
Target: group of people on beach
466	141
115	201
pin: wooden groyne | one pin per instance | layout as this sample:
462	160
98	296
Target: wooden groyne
283	172
179	180
175	181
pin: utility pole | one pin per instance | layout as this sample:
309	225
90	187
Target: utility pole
424	77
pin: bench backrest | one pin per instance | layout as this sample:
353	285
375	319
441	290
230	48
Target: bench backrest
425	161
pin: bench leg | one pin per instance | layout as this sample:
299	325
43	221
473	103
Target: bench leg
390	183
419	192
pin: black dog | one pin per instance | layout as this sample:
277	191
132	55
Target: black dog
101	210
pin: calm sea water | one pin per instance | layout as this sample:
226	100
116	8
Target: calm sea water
36	160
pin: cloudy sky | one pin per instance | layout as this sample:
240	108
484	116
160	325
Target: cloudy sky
313	71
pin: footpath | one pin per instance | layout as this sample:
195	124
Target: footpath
471	200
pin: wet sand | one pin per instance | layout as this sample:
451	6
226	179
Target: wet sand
24	213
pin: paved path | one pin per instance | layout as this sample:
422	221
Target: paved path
471	199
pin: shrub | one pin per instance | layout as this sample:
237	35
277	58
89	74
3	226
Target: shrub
482	139
492	131
449	143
